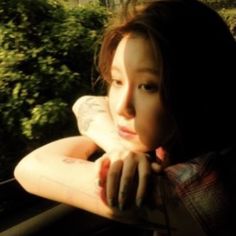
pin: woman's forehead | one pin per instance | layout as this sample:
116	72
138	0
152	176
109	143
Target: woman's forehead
135	50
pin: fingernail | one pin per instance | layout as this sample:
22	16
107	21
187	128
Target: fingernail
111	202
139	202
121	206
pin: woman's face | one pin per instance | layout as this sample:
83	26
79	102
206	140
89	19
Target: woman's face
134	97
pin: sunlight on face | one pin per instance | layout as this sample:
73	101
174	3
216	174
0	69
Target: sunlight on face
134	96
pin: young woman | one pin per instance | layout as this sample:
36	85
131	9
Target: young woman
170	67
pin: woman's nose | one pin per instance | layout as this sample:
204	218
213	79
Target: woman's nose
125	106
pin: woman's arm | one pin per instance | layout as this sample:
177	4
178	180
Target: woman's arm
55	171
59	171
94	121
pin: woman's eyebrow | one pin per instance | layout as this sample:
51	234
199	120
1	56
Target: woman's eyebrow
149	70
153	71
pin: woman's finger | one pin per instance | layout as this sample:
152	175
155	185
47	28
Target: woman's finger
144	172
127	181
99	165
105	164
112	182
156	167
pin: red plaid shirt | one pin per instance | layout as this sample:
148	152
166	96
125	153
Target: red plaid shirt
205	185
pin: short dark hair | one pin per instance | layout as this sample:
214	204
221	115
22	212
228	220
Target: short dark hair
198	59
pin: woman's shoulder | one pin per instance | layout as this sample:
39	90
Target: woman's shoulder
217	162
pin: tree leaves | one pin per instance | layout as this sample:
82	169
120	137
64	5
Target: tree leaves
46	56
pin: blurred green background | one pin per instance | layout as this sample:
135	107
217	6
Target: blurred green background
47	53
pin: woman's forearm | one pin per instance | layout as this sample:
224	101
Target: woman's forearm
51	162
73	182
94	120
63	179
59	171
55	171
75	146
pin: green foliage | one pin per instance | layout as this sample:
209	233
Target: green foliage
230	17
46	55
227	9
53	114
218	4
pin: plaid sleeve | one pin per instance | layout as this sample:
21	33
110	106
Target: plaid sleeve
200	184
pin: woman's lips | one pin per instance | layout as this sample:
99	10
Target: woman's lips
126	133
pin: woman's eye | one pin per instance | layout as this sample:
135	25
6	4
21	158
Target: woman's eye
116	82
151	88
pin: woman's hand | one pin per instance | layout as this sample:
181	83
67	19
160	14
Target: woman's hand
125	177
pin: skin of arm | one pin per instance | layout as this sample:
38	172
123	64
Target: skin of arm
91	112
61	172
